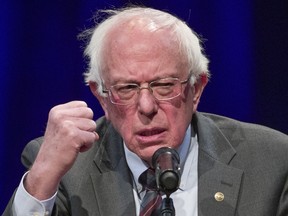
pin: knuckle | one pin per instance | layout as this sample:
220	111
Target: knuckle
92	126
55	114
89	112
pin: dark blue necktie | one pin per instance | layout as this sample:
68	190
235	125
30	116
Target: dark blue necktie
151	202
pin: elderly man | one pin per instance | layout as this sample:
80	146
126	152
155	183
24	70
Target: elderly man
148	72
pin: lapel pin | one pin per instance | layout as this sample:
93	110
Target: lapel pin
219	197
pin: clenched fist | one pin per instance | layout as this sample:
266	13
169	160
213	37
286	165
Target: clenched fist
70	130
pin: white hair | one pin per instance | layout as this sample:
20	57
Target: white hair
189	42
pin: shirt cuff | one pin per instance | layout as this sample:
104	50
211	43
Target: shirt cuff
25	204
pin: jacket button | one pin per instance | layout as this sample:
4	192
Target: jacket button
219	197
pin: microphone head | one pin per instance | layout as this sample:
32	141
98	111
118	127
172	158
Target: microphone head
166	162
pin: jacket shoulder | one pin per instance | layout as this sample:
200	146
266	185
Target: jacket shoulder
235	130
226	123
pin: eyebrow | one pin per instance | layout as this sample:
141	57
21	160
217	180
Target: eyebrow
123	81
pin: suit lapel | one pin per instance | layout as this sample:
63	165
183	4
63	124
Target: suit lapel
218	183
113	186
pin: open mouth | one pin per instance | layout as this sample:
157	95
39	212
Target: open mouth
151	136
151	132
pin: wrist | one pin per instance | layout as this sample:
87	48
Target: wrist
40	183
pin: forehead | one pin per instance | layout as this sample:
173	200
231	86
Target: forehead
137	32
139	46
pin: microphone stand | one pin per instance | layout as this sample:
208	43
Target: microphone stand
167	207
167	173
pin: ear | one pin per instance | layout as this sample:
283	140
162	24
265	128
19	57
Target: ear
102	100
198	89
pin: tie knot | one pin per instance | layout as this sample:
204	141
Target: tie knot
147	179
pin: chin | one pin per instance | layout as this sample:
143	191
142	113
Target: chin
147	153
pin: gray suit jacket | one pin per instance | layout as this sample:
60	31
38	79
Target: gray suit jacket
247	163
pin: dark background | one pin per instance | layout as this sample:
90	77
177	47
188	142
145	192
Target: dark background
41	64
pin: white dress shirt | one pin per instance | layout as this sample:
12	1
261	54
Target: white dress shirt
26	205
185	199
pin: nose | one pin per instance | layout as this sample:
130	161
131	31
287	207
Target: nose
147	104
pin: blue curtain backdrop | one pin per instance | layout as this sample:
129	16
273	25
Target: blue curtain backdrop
41	64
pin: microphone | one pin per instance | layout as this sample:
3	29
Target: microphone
166	162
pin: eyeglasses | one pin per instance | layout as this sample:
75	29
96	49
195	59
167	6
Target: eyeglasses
162	89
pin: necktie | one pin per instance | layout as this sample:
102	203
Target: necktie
152	200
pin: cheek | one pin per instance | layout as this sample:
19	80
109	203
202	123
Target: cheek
180	118
121	119
116	114
183	108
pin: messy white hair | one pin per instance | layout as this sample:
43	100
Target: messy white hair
189	43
